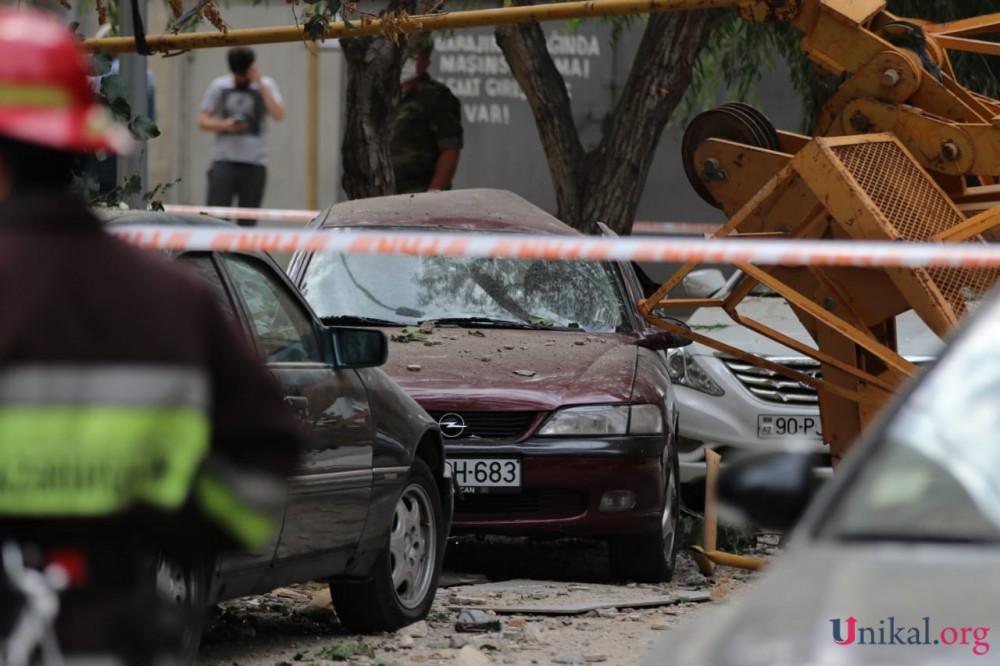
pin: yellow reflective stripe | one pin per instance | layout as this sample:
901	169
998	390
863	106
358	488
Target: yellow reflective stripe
91	461
249	526
34	96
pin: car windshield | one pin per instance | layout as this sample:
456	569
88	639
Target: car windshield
936	473
406	289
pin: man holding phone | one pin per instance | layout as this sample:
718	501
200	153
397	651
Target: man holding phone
236	107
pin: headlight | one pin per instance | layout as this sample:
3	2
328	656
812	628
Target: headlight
604	420
685	371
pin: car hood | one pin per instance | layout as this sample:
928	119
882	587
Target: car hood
488	368
786	620
914	338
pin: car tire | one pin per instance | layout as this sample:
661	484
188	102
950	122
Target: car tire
402	586
185	588
650	558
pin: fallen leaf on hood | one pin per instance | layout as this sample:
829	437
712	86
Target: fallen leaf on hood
525	373
478	334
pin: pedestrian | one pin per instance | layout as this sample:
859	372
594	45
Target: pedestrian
426	137
136	425
236	107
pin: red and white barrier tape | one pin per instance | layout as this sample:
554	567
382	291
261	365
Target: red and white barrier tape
290	215
646	249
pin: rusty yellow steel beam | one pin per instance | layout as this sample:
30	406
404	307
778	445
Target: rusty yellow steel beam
976	25
393	25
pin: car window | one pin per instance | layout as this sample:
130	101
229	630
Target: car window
934	476
283	328
407	289
201	263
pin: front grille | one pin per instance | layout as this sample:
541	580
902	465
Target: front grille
489	425
535	503
773	387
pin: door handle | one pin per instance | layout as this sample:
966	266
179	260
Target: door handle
299	403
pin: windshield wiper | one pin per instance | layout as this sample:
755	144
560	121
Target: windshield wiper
359	321
483	322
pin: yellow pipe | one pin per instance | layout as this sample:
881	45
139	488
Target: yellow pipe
393	25
700	556
312	127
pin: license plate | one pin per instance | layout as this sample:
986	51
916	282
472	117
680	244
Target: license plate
487	475
772	425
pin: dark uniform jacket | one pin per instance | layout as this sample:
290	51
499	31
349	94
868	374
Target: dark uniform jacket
130	407
428	120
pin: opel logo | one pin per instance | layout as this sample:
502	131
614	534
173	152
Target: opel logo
452	425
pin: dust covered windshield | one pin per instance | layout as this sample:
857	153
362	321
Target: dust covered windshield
406	289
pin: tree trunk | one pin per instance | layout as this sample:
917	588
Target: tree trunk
606	183
373	91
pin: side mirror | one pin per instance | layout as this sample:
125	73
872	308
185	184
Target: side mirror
703	283
772	487
358	347
661	339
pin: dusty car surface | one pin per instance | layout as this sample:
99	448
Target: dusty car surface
552	393
730	405
370	507
891	563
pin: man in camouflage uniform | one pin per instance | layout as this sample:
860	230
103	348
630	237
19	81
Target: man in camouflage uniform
427	129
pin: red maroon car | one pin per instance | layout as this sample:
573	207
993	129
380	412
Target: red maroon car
551	391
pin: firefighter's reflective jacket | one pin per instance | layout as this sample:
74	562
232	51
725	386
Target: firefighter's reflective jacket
129	403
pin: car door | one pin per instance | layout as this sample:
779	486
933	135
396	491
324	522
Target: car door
328	497
204	266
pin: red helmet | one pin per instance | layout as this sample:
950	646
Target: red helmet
45	95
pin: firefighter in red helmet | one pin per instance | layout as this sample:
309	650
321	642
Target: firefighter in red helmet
136	425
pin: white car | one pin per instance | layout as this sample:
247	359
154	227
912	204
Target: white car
726	403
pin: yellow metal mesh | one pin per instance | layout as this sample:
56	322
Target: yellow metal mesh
914	209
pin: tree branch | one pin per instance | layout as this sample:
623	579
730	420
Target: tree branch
524	48
617	169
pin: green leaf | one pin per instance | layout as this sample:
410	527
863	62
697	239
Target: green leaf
144	128
409	335
478	334
121	109
113	87
101	63
315	26
540	321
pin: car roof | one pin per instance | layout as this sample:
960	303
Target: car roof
482	209
116	216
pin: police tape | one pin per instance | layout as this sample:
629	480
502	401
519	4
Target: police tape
870	254
292	215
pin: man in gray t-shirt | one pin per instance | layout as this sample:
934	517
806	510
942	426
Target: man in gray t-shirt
236	107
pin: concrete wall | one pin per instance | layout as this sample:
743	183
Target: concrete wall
183	151
502	145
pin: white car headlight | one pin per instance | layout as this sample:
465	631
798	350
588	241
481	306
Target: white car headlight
604	420
685	371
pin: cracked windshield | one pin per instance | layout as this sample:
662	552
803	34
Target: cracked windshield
407	290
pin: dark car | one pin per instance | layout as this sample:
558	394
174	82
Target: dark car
892	561
370	507
551	391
